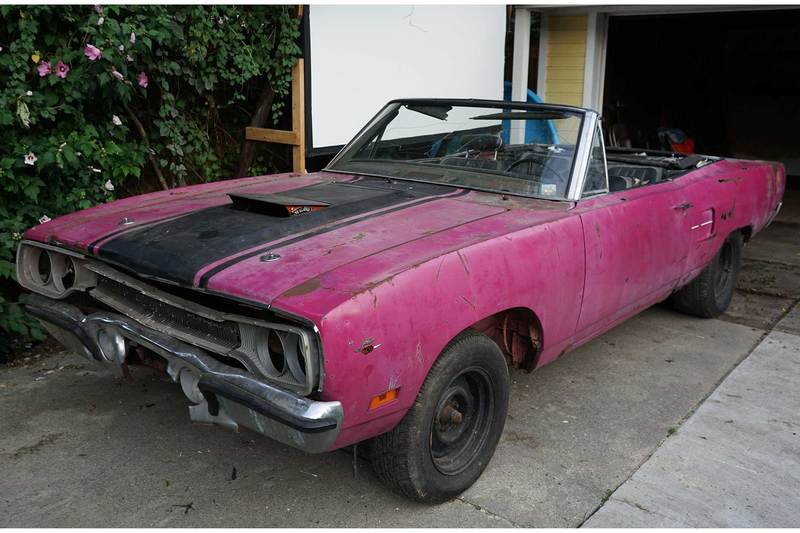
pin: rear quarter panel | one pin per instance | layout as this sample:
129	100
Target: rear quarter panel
737	195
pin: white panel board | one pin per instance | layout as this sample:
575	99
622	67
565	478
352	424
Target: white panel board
363	56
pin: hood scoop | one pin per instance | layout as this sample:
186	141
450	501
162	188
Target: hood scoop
275	205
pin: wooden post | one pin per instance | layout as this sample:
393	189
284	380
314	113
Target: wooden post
297	136
299	116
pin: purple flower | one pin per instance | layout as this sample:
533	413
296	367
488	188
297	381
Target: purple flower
44	69
143	81
98	8
117	74
62	69
92	52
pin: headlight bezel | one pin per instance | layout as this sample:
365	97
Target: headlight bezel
301	367
61	264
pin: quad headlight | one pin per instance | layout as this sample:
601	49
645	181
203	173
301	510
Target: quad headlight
51	271
284	356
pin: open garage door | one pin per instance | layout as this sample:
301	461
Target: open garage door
729	81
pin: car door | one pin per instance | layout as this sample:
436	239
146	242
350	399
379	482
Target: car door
635	246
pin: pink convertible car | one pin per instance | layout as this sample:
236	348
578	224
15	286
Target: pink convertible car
384	298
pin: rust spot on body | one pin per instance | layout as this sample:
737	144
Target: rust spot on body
367	347
304	288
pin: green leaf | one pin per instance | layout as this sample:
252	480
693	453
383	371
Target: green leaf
69	154
23	113
31	190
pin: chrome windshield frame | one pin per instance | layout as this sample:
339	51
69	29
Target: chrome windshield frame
589	120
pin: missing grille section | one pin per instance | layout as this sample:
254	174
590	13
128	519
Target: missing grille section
219	337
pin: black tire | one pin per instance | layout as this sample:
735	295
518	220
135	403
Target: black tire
448	436
710	293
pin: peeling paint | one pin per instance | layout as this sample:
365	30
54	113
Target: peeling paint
303	288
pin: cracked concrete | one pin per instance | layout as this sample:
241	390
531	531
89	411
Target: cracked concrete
735	462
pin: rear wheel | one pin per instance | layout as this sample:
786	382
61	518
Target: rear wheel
710	293
449	435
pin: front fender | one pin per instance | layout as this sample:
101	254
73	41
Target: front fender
388	335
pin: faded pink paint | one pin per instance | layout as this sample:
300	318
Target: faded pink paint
411	280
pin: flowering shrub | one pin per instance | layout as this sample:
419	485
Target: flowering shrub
97	101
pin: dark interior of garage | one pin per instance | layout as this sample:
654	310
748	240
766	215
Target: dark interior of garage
729	81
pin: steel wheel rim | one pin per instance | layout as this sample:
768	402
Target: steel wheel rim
461	422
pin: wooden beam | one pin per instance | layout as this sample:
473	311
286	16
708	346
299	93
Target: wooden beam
299	115
272	136
297	136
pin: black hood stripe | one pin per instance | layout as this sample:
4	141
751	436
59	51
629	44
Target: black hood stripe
227	264
127	229
178	248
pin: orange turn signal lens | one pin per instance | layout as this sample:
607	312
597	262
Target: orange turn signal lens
383	399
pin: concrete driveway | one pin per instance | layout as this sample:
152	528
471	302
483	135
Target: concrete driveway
81	448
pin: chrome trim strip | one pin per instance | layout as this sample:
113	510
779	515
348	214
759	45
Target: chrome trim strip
582	156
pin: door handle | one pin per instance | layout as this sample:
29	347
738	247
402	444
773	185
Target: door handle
682	207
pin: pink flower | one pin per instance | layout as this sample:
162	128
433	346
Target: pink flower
117	74
98	8
92	52
44	69
62	69
143	81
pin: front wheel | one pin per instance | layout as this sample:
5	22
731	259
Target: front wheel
448	436
710	293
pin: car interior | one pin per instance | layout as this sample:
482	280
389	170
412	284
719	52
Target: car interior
544	167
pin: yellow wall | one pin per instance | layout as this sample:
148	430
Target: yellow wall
566	48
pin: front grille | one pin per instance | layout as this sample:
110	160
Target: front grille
220	337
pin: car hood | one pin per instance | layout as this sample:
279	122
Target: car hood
238	237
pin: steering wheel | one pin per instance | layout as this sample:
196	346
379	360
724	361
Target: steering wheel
544	166
470	144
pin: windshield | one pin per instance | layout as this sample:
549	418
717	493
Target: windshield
525	150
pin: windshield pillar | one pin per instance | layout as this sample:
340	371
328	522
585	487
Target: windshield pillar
582	155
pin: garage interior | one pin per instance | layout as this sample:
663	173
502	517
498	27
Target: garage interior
730	81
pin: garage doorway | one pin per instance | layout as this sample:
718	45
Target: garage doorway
730	81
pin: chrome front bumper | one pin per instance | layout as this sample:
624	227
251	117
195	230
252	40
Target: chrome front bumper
222	394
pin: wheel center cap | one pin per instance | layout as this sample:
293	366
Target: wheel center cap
450	416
